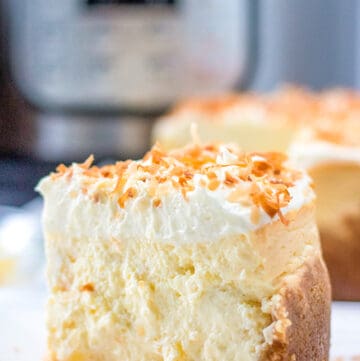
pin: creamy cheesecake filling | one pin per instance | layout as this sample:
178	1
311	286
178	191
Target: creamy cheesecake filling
202	301
151	302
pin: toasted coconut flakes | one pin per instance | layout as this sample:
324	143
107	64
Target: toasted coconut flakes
258	179
260	168
282	218
210	147
61	168
177	171
188	174
183	181
129	193
213	184
156	157
119	185
96	197
230	180
239	195
156	202
211	175
87	287
283	199
88	162
161	179
196	151
121	167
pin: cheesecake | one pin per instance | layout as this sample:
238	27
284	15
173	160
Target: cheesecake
330	151
256	122
201	253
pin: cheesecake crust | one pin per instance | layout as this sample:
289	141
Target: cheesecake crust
342	254
302	329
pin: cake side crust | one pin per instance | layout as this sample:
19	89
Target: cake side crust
302	317
344	266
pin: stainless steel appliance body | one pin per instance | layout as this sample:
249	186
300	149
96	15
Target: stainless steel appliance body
97	70
126	55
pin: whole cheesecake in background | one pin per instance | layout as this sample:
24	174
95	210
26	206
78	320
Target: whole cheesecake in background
256	122
321	131
330	151
202	253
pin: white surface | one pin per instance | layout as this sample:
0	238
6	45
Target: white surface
22	331
22	325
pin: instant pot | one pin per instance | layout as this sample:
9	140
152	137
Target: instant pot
98	71
94	73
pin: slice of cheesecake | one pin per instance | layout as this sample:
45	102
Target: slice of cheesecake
330	151
203	253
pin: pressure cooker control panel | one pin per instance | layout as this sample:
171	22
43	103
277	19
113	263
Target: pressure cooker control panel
132	2
126	54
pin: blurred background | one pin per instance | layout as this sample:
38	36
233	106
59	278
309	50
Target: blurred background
90	76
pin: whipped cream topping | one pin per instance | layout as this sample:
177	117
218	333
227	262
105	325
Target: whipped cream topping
201	214
310	154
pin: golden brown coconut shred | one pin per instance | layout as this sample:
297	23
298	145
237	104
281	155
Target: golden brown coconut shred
258	180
